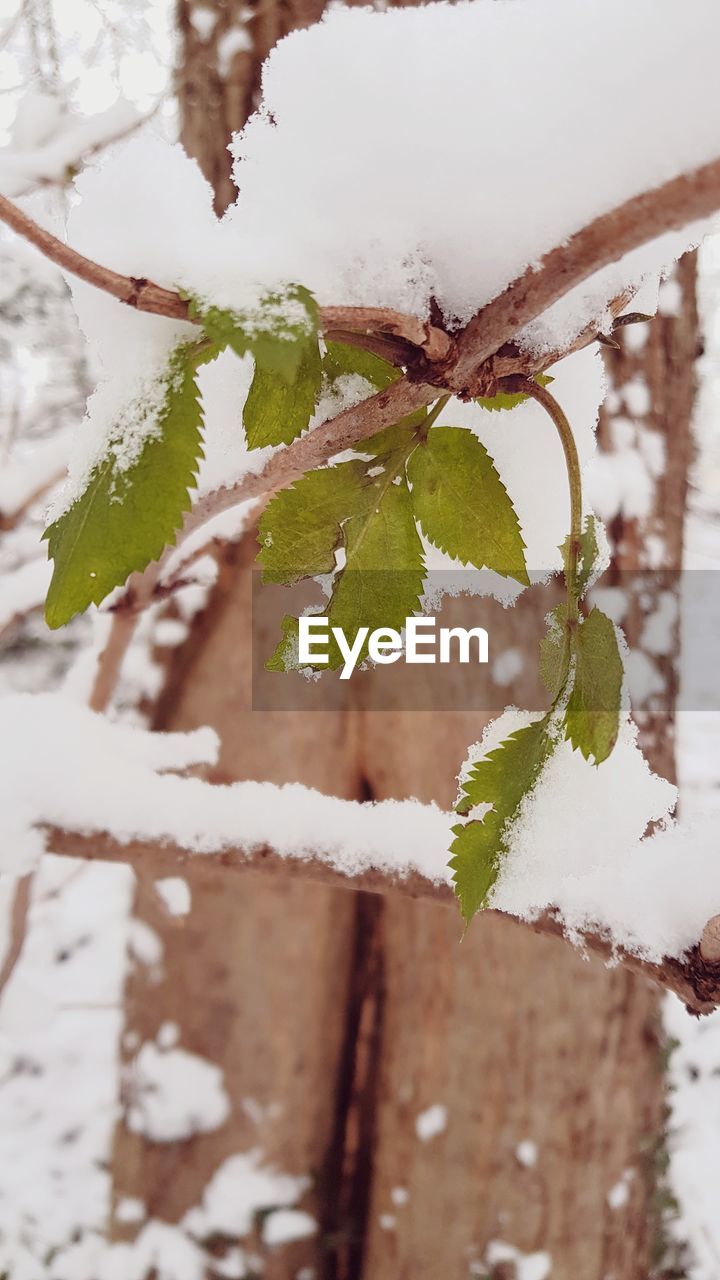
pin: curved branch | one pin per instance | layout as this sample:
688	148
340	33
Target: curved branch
316	447
145	295
133	291
694	979
670	207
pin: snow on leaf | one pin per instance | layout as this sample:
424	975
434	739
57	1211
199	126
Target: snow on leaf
125	516
503	779
282	336
462	504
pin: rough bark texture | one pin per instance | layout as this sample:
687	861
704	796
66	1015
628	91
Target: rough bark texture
345	1018
648	552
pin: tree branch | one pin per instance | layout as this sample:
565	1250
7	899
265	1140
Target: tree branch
695	980
670	207
145	295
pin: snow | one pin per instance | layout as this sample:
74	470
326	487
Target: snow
29	470
242	1186
507	666
23	590
47	142
60	1020
693	1126
282	1226
130	1209
368	230
526	1153
619	484
175	893
63	764
602	873
637	397
53	743
203	21
174	1094
394	238
236	40
527	1266
619	1194
431	1122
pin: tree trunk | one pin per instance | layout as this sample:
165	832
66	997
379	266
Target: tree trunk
339	1019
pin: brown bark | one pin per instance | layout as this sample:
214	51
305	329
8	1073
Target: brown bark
666	364
218	88
345	1018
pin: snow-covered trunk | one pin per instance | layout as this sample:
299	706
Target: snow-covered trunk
457	1107
647	417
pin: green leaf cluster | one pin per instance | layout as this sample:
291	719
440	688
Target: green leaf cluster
127	513
441	478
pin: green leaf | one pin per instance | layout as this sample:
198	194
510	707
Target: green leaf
285	657
301	528
342	359
125	517
277	411
502	779
282	335
462	504
504	401
274	331
588	552
396	439
592	719
381	581
555	651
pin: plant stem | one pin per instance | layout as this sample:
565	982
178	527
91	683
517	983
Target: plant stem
529	387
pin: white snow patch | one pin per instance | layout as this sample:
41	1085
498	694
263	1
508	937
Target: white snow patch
242	1186
528	1266
175	893
282	1226
431	1122
526	1153
175	1094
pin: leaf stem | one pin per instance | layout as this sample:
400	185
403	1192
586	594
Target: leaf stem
537	392
434	414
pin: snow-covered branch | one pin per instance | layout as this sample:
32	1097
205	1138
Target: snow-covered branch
144	295
693	978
